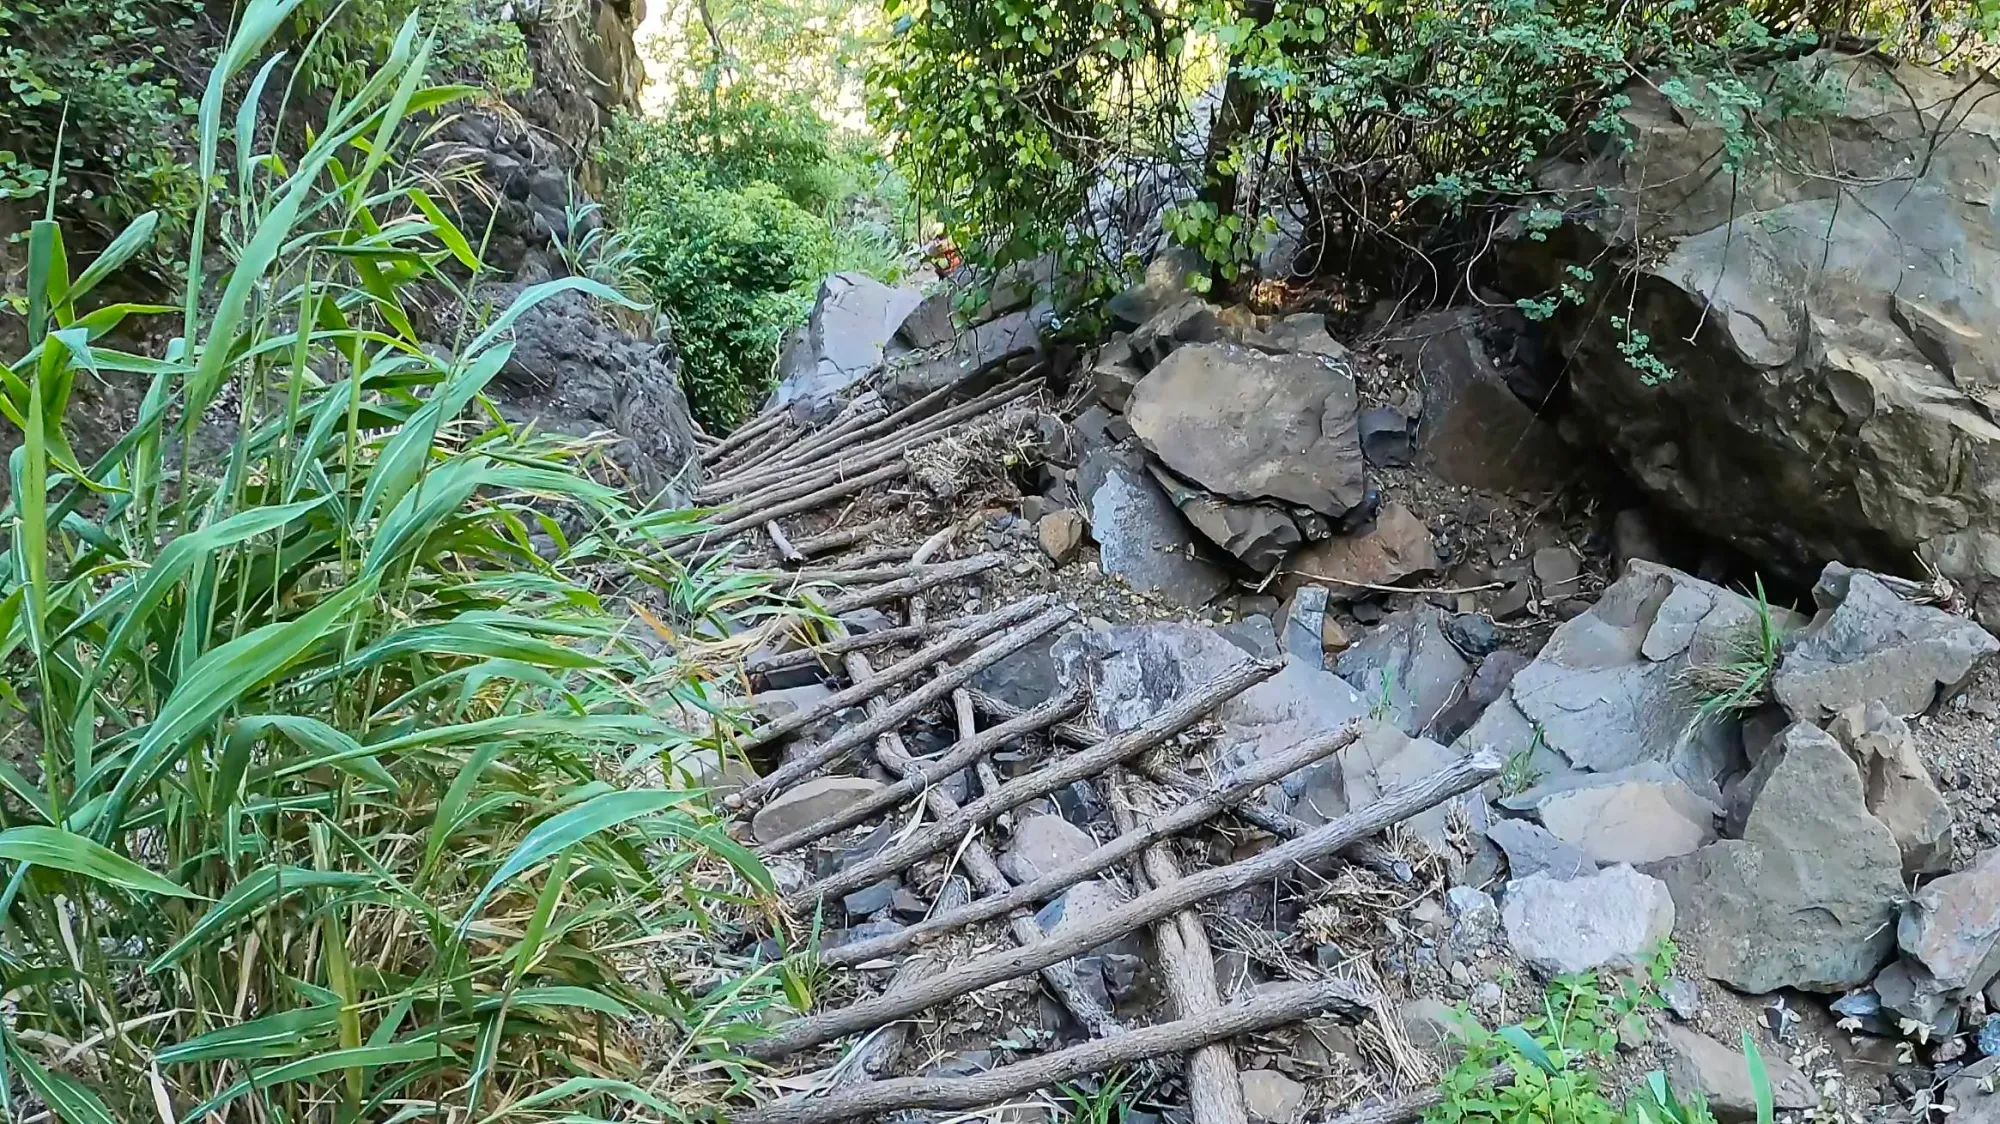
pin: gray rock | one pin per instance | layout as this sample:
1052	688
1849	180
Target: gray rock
1474	431
1682	998
1911	994
1473	633
933	321
1140	536
1488	683
1557	573
1025	679
1254	634
1612	919
1060	534
1383	759
1252	427
809	802
1270	1097
1191	321
852	320
1437	1028
982	348
1807	898
1531	849
871	899
1396	546
1699	1064
1041	844
1407	670
1638	815
1965	1096
1896	785
1475	920
1260	535
1866	644
1113	374
1305	333
1385	437
1951	926
1303	635
1167	283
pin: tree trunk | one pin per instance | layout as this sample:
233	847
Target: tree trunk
1233	121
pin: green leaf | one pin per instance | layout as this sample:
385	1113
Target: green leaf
71	1102
264	886
601	813
57	849
280	1032
1760	1080
356	1057
1525	1044
137	235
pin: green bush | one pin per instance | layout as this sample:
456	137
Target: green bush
315	797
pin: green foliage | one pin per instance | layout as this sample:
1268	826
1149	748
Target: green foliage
1742	679
334	789
477	42
1549	1059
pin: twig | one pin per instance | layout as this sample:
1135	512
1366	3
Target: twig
1079	766
835	539
1398	805
1397	588
1272	1007
787	553
715	536
924	579
899	712
1241	786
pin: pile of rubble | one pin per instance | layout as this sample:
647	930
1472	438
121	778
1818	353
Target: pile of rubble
1301	757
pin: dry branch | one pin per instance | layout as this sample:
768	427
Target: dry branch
780	542
926	578
715	536
860	642
928	773
1398	805
1242	785
743	434
1187	966
1366	853
840	537
1184	712
1273	1007
901	711
763	444
1411	1107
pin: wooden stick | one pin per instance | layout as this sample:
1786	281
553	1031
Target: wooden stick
835	539
1399	804
1364	853
854	695
1272	1007
924	579
880	638
901	711
848	422
928	773
787	553
715	536
875	1057
1178	716
742	434
774	437
1215	1088
1243	785
904	709
1061	978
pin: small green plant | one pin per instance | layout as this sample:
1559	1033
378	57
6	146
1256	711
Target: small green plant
1383	706
1103	1100
1742	680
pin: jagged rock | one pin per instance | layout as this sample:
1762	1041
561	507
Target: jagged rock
1191	321
1270	1097
1041	844
1260	535
1682	998
1473	431
1490	681
1594	699
1136	670
1025	679
1140	536
1530	849
1397	546
1252	427
872	899
933	321
1911	994
1113	374
1966	1098
1080	905
1638	815
853	319
1406	668
1475	920
1611	919
1473	634
1896	786
1060	533
1807	897
1305	333
983	348
1384	758
1303	635
1254	634
1866	644
1951	926
575	370
1167	283
1699	1064
809	802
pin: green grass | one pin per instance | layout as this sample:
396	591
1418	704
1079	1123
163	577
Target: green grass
337	792
1742	680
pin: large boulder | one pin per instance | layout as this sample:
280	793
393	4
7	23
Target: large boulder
1697	1063
1826	318
1474	430
1254	427
1140	535
1951	928
1869	645
852	321
1808	897
1615	918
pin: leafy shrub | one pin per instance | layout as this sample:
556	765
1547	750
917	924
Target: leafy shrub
733	267
321	806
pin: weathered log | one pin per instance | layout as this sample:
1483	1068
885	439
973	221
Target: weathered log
1394	807
1187	967
897	713
1367	853
927	773
773	439
743	434
927	578
1171	720
846	423
1271	1007
1243	785
715	536
839	537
